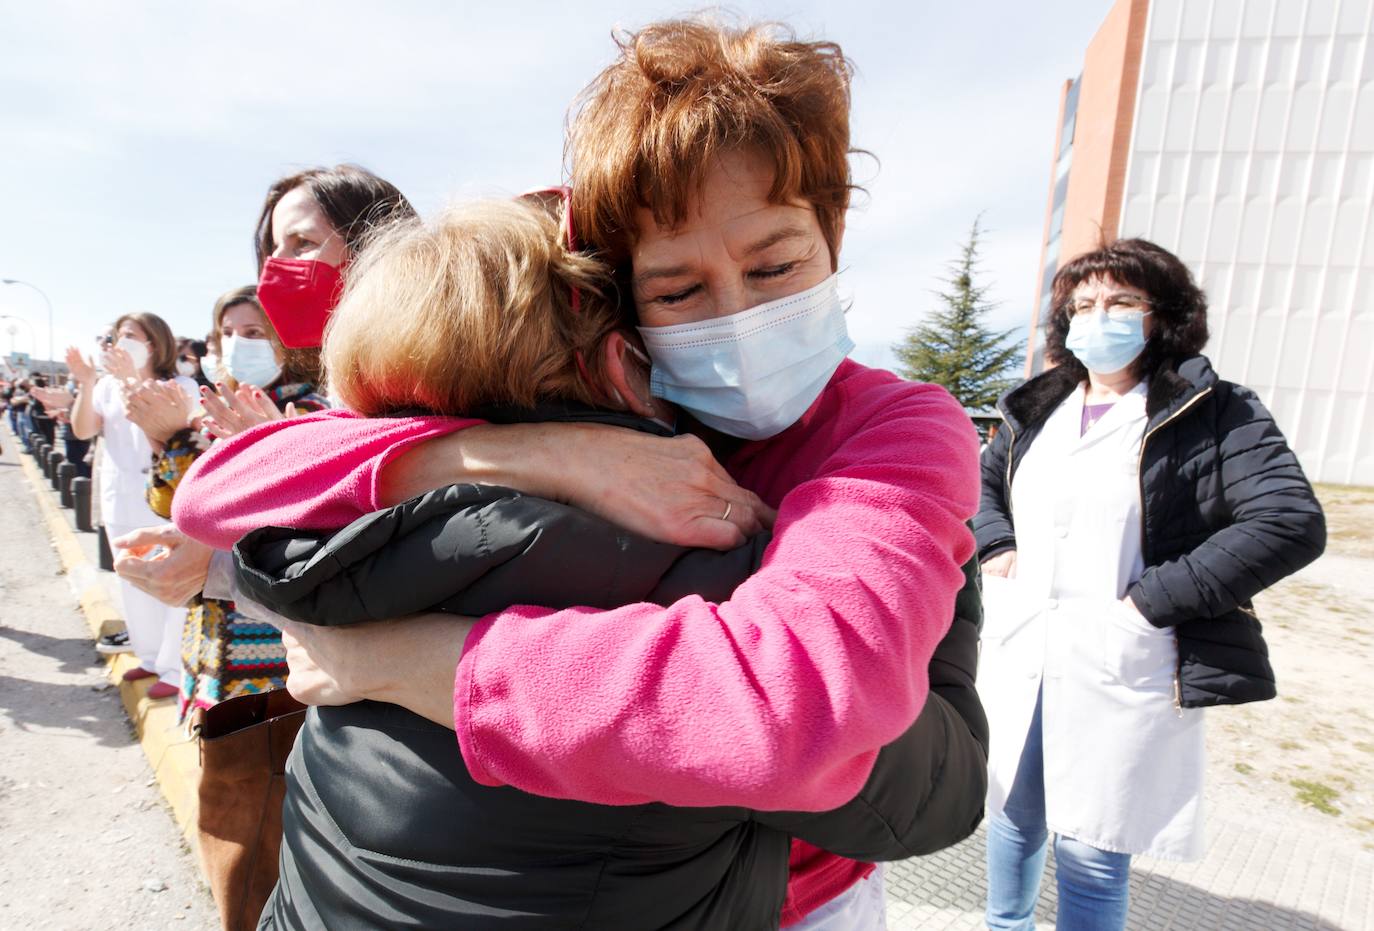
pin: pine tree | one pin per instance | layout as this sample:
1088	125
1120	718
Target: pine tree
953	347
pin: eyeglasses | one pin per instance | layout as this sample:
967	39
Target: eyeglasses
1116	305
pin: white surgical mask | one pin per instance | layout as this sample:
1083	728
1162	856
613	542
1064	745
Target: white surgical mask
250	361
137	350
754	373
209	367
186	368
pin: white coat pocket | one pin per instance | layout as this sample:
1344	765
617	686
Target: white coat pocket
1007	610
1134	651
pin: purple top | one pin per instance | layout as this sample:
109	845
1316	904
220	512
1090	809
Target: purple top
1092	413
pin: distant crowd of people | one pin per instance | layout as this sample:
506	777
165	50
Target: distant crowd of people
618	596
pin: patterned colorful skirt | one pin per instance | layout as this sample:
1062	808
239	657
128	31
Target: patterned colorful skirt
225	654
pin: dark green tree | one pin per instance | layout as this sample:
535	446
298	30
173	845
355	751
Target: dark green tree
954	347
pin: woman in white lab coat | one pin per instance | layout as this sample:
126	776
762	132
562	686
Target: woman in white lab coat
146	349
1132	507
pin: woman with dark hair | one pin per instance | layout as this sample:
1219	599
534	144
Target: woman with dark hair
1131	509
145	350
310	226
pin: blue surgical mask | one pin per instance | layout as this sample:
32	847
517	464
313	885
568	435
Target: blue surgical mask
1107	343
754	373
250	361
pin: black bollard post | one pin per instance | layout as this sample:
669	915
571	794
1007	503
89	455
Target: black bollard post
35	438
42	454
55	459
106	554
65	473
81	503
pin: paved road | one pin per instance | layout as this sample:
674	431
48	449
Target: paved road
87	842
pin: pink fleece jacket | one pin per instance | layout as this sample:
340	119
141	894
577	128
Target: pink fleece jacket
776	699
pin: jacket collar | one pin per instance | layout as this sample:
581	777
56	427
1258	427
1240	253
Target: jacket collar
1172	385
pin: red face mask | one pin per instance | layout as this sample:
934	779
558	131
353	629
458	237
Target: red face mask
298	296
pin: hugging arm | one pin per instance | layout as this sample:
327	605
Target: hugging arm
926	790
780	696
326	470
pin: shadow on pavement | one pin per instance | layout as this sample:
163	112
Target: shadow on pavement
76	654
81	705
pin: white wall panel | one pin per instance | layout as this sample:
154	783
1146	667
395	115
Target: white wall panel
1253	158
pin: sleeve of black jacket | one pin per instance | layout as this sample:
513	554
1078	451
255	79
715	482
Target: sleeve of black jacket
927	788
1276	528
992	528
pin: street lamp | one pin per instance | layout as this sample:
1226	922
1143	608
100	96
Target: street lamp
51	361
33	337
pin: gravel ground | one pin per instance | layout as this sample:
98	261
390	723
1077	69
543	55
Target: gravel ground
1313	748
88	841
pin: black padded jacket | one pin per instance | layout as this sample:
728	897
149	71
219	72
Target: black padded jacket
1226	511
384	827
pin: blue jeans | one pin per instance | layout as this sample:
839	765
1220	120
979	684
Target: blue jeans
1094	884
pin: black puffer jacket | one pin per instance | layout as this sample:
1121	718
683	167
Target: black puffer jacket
384	827
1226	512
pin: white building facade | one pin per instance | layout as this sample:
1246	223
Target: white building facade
1251	156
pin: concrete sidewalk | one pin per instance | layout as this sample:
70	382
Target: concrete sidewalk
172	755
1265	869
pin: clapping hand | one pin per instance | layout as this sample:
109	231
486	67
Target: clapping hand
158	408
81	368
54	399
121	365
233	412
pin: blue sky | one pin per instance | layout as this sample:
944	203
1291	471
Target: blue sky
137	139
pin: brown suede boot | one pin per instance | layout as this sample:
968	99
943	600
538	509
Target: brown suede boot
244	743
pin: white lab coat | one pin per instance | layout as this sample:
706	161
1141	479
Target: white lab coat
1123	765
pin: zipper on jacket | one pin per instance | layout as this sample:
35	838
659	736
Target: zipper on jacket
1011	448
1140	481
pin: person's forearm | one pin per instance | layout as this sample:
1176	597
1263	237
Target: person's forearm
85	421
520	456
417	672
313	472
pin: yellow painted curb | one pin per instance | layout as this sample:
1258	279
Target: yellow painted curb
174	757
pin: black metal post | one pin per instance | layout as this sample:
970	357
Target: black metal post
81	503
